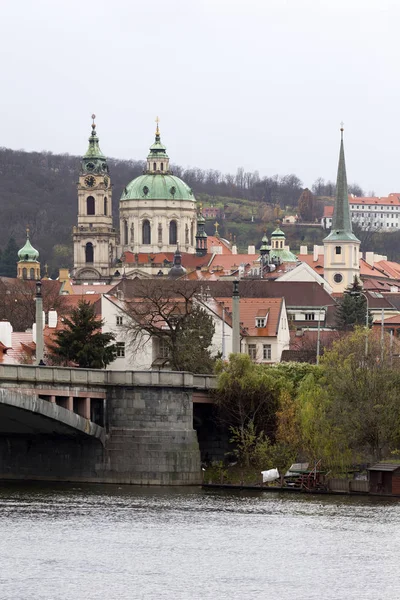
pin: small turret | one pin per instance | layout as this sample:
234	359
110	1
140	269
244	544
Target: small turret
177	270
28	266
94	160
201	236
158	159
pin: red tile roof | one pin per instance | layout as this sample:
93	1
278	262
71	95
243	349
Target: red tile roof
251	308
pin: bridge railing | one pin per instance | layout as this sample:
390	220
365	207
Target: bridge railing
96	377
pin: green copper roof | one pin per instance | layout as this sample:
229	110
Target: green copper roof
264	244
28	252
341	221
278	233
283	254
94	160
157	149
157	187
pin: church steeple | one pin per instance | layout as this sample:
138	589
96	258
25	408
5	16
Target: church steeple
341	221
94	160
341	247
28	266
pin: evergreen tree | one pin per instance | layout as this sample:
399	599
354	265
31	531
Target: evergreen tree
352	307
9	258
81	341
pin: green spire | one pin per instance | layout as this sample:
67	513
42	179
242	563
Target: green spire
28	252
341	221
94	160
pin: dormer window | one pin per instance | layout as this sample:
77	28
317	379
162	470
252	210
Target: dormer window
260	321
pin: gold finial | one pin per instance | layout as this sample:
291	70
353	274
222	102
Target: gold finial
93	123
27	231
200	207
216	224
157	129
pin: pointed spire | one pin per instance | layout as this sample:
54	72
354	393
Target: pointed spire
157	130
341	215
341	221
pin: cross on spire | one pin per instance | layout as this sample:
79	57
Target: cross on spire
157	129
93	123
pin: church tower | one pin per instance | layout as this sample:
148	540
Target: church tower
28	266
94	237
341	247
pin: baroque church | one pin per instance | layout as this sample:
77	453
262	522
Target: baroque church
157	214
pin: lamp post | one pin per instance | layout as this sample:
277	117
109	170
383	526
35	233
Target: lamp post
39	324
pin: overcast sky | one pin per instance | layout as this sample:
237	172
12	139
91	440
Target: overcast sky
262	84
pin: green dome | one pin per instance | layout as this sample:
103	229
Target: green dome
278	233
28	252
157	187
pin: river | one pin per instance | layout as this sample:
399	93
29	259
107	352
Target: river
81	542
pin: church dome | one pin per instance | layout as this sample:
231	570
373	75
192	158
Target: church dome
157	182
157	187
28	253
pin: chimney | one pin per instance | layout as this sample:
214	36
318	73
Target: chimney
5	333
303	249
53	318
251	250
235	318
315	253
234	249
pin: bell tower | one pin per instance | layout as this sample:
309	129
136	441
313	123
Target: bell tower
341	247
94	237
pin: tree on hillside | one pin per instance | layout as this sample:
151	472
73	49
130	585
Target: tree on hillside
352	308
180	327
9	258
305	206
81	342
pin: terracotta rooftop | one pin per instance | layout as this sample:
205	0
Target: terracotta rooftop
252	308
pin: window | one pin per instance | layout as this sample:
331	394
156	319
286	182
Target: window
105	205
31	273
267	351
252	351
337	277
260	322
291	317
24	273
120	349
338	250
90	205
146	232
162	166
120	320
173	232
126	238
89	253
163	348
154	166
309	316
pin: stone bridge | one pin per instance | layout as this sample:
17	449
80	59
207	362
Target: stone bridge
106	426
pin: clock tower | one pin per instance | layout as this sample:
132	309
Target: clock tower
94	237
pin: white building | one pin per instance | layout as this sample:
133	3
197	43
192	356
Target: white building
370	213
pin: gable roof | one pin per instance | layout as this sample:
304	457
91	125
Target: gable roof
251	308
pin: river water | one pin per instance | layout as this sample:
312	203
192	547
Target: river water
110	542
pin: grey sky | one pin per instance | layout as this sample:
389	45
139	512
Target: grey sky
261	84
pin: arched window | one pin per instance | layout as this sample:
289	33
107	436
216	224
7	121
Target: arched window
31	273
105	205
90	206
24	273
146	232
162	166
154	166
89	252
191	234
173	231
126	238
